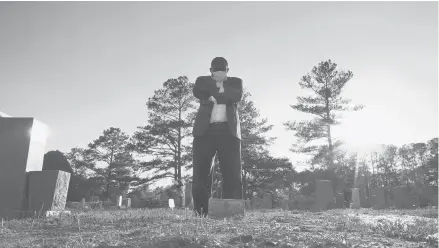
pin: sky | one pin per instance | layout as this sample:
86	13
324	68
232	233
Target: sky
82	67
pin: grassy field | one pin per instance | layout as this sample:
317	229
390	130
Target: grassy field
179	228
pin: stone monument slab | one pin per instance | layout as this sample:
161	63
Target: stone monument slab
48	190
402	198
378	198
355	198
267	201
339	200
256	202
324	195
188	195
22	144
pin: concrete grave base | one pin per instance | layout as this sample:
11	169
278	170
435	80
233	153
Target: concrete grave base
57	213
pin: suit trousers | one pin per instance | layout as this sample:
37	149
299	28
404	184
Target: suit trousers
216	140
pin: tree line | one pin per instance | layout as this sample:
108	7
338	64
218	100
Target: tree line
162	147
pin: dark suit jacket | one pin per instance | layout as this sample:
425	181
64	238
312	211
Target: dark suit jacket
205	87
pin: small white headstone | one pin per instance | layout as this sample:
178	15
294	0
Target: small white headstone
129	203
171	203
119	202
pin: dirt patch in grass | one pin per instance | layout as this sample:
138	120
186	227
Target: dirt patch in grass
274	228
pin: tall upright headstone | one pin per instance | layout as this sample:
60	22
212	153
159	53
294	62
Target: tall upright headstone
267	201
22	144
355	198
188	202
324	195
339	200
48	190
379	198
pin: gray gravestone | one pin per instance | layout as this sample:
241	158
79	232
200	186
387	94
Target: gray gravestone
355	198
256	202
401	197
305	202
135	202
339	200
188	196
324	195
48	190
284	204
364	199
22	144
267	201
248	204
379	200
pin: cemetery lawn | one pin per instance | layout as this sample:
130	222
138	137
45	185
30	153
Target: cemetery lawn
273	228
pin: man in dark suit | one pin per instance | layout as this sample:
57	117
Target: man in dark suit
217	130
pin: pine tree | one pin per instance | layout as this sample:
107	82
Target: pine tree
326	105
167	136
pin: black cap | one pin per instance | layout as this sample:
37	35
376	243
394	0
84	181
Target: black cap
219	62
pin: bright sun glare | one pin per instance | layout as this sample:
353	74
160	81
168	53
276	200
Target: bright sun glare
39	132
365	130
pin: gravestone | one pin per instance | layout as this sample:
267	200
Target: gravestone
285	204
304	202
256	202
339	200
355	198
164	198
171	203
119	201
267	201
324	195
48	190
400	197
378	199
135	202
177	201
248	204
224	208
140	194
188	202
364	199
292	204
428	195
22	144
94	198
83	203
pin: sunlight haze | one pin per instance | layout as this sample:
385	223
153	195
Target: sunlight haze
82	67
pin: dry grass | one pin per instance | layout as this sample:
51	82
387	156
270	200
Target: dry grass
179	228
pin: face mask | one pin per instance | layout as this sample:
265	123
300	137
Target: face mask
219	76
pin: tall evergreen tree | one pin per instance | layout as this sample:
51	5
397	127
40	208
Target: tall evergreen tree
81	162
167	136
325	103
112	150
